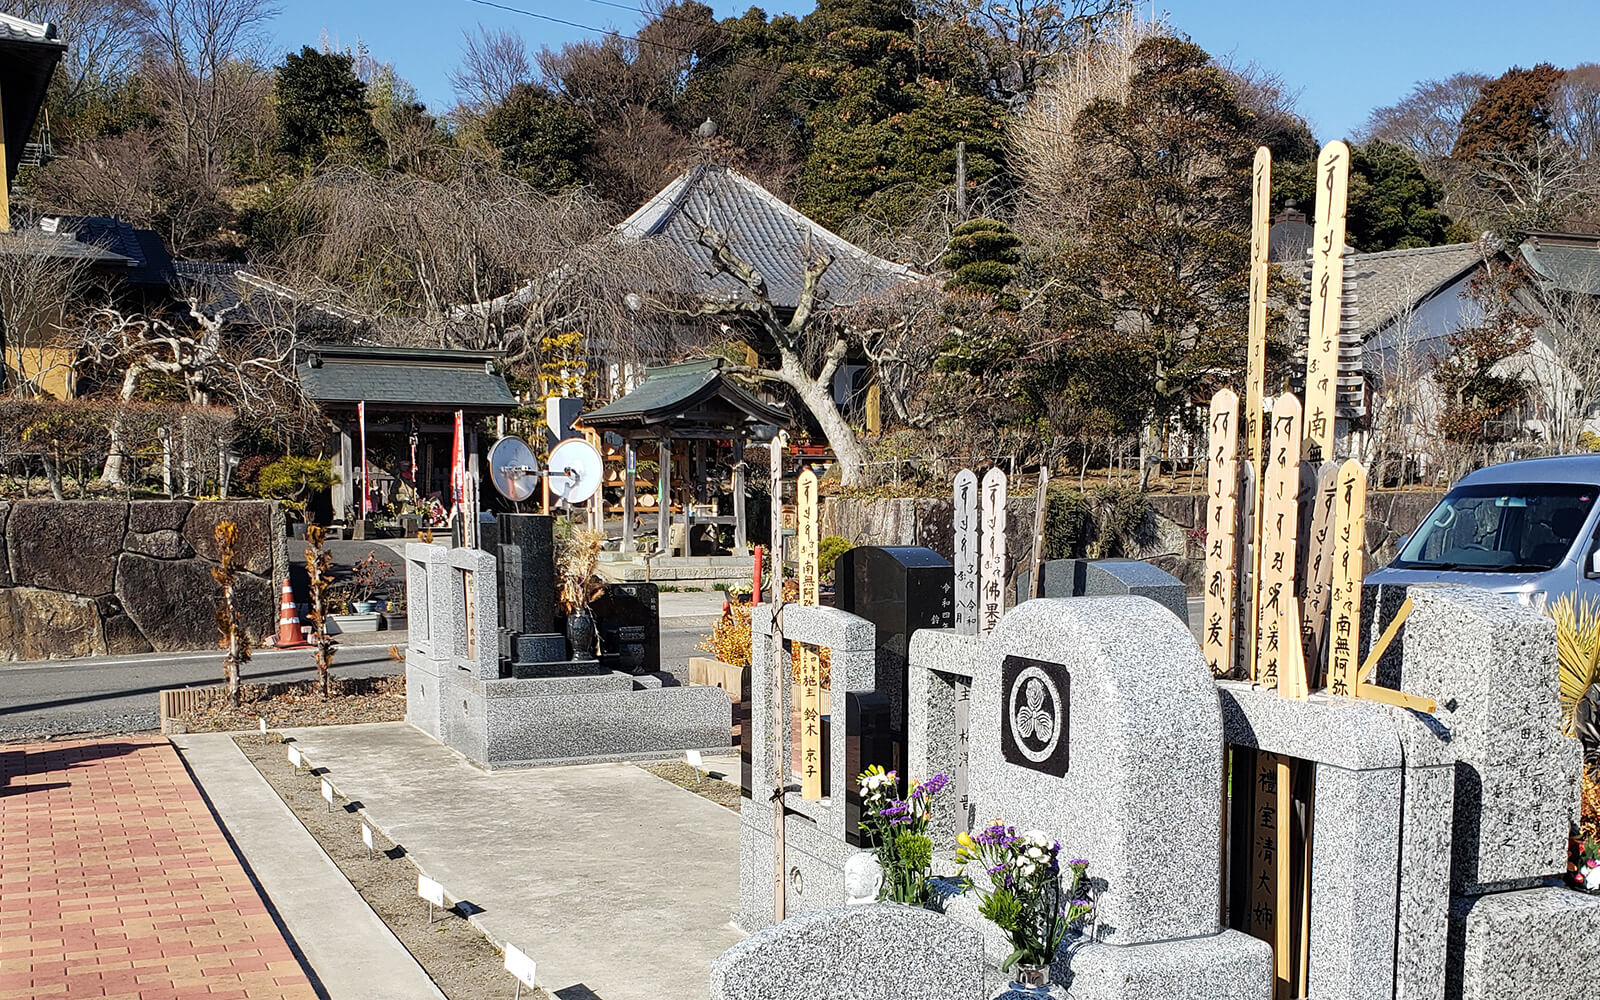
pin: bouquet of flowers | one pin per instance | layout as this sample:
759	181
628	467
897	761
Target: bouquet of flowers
1024	889
898	829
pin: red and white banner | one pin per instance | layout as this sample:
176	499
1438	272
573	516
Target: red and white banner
366	482
458	465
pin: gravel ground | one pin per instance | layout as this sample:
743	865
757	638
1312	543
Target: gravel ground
290	706
458	958
684	776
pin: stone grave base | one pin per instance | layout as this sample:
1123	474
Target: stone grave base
818	858
579	718
1224	966
1537	942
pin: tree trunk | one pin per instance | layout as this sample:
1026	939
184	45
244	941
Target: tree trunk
112	473
819	402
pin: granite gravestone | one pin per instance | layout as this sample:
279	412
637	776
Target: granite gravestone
898	589
1108	578
526	555
628	616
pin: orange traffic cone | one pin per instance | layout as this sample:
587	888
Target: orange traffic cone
289	634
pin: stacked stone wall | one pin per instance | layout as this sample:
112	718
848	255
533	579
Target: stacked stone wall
101	577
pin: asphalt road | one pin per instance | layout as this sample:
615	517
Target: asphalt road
120	694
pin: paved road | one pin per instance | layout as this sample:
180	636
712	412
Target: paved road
119	694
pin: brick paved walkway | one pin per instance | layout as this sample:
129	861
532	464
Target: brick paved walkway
117	882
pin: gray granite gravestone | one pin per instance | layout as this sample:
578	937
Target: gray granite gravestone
526	551
1098	722
877	951
899	589
1109	578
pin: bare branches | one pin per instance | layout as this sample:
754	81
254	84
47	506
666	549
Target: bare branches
493	61
40	287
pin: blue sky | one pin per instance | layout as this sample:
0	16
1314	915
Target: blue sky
1344	57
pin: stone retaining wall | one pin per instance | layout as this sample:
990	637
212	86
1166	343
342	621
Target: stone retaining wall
98	577
1172	537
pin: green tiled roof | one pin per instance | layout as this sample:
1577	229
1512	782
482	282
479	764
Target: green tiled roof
687	392
419	378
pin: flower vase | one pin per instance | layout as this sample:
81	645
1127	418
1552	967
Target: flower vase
581	633
1032	982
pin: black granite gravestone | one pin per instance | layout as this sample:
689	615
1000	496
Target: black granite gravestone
899	589
628	616
868	740
525	555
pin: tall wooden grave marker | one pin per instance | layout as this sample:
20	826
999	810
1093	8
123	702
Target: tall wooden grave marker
810	660
992	600
966	552
1327	295
1349	544
1222	485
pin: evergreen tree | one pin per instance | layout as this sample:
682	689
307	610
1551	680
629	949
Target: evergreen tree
321	107
540	139
983	257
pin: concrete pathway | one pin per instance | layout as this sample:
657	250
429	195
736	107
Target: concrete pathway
118	883
617	883
352	952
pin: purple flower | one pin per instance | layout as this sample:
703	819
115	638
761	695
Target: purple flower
933	786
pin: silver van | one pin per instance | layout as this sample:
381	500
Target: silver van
1524	528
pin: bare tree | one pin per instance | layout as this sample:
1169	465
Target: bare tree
40	289
204	67
1563	359
493	61
1427	121
482	261
104	38
1016	42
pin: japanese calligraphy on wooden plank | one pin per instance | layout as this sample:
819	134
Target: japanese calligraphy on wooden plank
810	661
1317	582
1350	534
1222	491
992	596
1277	625
966	552
1327	295
1256	369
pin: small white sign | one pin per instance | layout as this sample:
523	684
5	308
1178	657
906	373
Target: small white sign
327	791
263	723
520	965
430	890
694	759
366	835
295	758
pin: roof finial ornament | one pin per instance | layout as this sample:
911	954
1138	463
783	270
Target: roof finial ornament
707	129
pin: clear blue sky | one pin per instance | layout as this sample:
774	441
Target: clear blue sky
1344	57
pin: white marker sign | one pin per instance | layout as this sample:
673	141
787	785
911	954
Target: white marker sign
993	563
263	723
430	890
295	759
694	759
327	792
966	550
520	965
366	835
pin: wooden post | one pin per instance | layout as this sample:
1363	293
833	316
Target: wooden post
966	552
1222	515
1317	575
1327	296
810	660
1041	502
781	724
741	531
1349	550
1278	622
1249	584
630	462
992	599
5	190
961	182
663	492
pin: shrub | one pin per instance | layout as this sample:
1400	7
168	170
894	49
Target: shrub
293	478
828	552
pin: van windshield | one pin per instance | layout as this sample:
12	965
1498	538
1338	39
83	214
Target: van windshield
1500	528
